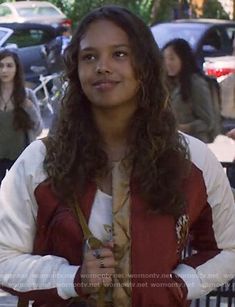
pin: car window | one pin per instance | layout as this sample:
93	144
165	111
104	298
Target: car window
220	40
37	11
5	11
48	10
213	39
5	33
231	35
26	11
230	32
26	38
2	34
166	32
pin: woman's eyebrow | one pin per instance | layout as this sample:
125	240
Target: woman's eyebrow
91	48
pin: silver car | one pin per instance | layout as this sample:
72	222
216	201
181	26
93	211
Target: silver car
32	11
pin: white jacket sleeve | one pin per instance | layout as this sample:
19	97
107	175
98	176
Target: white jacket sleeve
201	276
20	270
35	116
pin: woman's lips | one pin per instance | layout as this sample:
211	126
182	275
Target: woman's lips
105	85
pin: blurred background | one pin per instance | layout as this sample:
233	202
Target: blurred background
39	31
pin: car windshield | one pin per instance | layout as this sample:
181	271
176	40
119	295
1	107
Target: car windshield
37	11
2	34
166	32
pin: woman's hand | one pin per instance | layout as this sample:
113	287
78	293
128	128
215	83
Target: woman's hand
97	269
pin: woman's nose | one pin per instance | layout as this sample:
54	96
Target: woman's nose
3	68
103	66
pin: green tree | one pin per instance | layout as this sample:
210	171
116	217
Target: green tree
77	9
150	11
163	10
214	9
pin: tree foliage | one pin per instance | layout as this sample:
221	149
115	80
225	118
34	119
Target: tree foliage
214	9
151	11
77	9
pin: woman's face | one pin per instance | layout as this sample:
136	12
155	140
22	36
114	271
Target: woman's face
172	62
105	67
7	69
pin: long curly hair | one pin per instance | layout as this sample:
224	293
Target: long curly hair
21	119
158	154
189	65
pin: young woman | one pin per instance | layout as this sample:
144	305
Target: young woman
190	95
101	211
20	120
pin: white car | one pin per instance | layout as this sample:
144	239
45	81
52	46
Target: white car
223	68
207	37
219	67
33	11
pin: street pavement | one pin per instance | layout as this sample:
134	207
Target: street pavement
224	149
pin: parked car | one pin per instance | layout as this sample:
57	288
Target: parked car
207	37
33	11
36	44
219	67
223	68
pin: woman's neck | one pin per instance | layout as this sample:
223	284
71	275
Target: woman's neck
6	96
114	128
7	86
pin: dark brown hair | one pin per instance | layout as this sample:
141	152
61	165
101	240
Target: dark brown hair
22	120
158	153
189	65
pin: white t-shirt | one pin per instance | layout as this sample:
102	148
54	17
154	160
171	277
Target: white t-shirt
100	222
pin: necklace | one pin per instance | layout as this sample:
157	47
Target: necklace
4	103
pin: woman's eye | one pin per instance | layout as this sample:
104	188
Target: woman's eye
120	54
88	57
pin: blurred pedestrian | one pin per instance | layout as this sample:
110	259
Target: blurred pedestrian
191	98
101	211
20	120
65	37
228	102
231	167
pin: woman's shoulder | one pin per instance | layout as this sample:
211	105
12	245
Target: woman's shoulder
199	151
28	170
32	158
35	151
38	147
198	79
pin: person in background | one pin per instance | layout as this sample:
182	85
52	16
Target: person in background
231	167
190	94
20	120
98	214
65	37
227	87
